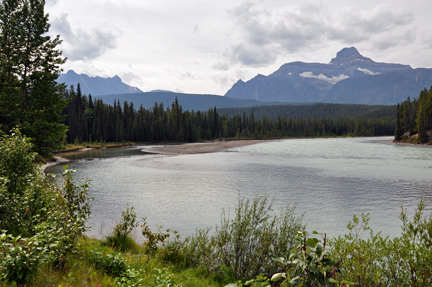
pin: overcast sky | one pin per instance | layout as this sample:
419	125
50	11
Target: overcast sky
197	46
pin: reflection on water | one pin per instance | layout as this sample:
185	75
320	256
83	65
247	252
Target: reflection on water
330	180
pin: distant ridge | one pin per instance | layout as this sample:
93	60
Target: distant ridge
97	86
347	78
187	101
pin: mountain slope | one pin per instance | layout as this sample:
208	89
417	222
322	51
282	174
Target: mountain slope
315	82
187	101
388	89
96	85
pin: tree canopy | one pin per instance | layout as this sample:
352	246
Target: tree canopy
29	65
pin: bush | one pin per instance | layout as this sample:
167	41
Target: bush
40	222
381	261
120	239
242	247
115	265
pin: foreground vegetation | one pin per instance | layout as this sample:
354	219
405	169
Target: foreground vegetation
42	242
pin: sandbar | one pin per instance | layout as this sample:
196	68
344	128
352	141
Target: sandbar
200	148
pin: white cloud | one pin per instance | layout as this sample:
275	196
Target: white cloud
333	80
266	34
83	44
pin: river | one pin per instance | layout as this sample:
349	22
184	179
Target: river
329	179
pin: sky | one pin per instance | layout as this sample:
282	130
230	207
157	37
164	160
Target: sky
204	47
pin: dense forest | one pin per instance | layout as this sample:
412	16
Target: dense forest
414	119
91	119
317	110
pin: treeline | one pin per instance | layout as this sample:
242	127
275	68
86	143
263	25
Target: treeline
318	110
93	120
414	119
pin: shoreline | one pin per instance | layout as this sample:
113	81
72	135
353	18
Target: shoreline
182	148
201	147
171	149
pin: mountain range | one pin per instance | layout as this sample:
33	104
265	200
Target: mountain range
348	78
97	86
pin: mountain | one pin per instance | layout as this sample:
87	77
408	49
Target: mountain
348	78
187	101
97	85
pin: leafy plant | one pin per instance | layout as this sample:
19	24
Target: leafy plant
115	265
20	257
163	279
309	264
249	242
377	260
153	238
120	238
69	224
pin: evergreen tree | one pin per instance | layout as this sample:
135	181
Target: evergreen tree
29	95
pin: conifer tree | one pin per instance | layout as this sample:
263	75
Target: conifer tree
30	63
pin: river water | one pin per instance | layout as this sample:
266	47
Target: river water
330	180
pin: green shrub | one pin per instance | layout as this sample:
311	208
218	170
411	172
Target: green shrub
41	222
152	238
163	279
116	266
242	247
381	261
120	239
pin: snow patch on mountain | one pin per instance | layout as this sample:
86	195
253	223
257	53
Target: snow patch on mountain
367	72
333	80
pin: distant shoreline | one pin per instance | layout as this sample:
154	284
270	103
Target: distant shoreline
200	148
170	149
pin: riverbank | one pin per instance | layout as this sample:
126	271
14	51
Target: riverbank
200	148
168	149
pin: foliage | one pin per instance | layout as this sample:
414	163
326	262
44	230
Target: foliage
66	220
414	119
29	94
153	238
42	222
248	242
127	223
120	238
163	279
20	257
309	264
242	247
93	120
114	265
377	260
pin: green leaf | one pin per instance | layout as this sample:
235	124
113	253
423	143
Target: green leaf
312	242
319	250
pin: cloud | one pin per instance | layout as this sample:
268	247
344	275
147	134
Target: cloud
51	3
265	34
83	44
251	55
196	29
187	76
129	77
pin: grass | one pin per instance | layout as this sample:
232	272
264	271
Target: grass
80	272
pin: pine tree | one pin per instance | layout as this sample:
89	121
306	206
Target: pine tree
30	63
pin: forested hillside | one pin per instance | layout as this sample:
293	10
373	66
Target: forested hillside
93	120
319	110
414	119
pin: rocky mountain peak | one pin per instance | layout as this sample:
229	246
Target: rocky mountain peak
348	56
